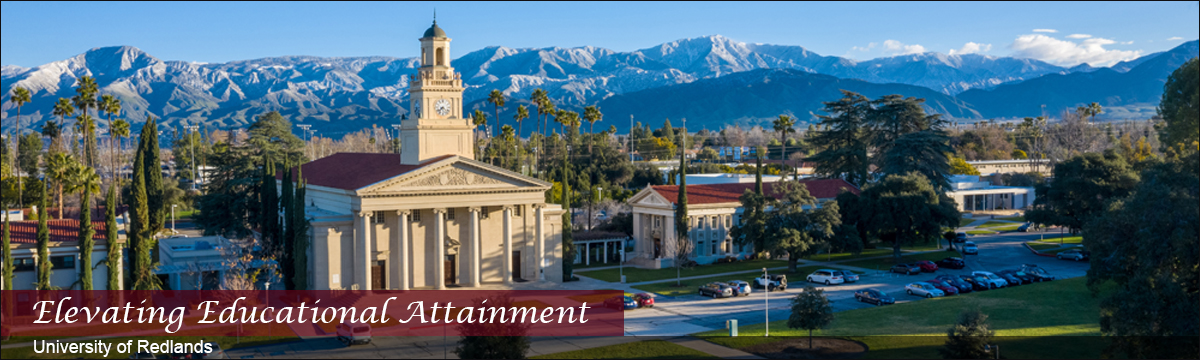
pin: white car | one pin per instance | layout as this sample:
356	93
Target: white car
923	289
969	248
994	281
351	333
826	276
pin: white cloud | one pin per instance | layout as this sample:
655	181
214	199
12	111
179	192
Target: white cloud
1045	30
898	48
1078	36
1130	42
864	49
1174	38
1068	53
971	48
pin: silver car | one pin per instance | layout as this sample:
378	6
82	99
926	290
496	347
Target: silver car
922	288
847	275
969	248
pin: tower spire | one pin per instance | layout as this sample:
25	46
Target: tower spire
435	16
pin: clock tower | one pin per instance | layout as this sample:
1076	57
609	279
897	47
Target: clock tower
436	125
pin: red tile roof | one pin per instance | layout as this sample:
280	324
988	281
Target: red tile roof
726	193
65	230
353	171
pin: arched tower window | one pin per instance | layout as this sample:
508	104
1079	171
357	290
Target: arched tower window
424	57
440	57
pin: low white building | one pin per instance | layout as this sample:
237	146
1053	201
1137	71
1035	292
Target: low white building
712	210
65	260
973	194
201	263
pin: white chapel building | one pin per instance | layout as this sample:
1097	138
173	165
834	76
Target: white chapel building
430	217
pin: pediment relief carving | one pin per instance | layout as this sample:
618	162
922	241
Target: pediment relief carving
453	177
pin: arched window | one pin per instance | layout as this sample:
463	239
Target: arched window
424	57
439	55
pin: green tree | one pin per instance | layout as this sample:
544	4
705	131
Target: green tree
497	99
300	239
287	201
568	236
923	152
683	245
904	209
521	115
1144	245
5	241
156	200
959	166
85	99
843	144
797	226
492	340
111	235
29	149
1180	106
752	229
968	338
58	174
86	182
111	105
20	96
784	125
1080	191
43	244
141	230
810	311
269	217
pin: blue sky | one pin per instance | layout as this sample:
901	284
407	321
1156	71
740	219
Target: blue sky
1101	33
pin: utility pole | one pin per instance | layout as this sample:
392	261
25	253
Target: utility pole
195	175
304	128
629	140
397	127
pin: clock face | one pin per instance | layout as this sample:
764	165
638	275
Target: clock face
442	106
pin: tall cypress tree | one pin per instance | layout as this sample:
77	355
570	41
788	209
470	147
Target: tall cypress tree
300	241
289	228
154	182
86	239
141	229
270	207
758	189
682	243
111	235
8	260
43	242
567	236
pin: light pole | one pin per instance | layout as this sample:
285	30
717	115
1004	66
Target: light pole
397	127
304	128
192	141
173	206
766	304
621	263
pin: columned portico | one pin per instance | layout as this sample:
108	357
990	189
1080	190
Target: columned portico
400	259
474	251
439	249
507	271
362	250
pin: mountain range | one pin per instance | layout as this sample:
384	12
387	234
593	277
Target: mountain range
710	80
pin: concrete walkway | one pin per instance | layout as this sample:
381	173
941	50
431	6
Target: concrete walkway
712	349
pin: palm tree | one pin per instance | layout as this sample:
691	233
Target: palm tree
86	90
537	99
784	125
120	130
86	124
497	99
63	109
20	96
52	130
592	114
111	105
58	171
1095	109
522	114
479	118
81	179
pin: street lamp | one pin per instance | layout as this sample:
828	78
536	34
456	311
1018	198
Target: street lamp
397	127
622	262
173	206
766	304
192	140
304	128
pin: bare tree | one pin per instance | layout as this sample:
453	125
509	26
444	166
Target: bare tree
1072	136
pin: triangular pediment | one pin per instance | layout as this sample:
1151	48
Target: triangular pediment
649	197
455	174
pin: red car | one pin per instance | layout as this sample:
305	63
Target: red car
927	266
944	287
644	300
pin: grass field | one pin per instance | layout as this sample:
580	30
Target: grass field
965	222
981	232
1014	218
993	223
1041	246
633	275
650	349
883	249
691	286
886	263
1063	239
1058	319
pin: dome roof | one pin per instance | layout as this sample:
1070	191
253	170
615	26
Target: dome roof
435	31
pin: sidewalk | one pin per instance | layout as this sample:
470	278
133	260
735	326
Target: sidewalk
712	349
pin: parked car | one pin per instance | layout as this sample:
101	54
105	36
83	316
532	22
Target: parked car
1039	274
923	289
951	263
1020	275
906	269
1012	280
826	276
847	275
969	248
1026	227
994	281
944	287
1074	254
727	259
351	333
644	300
771	282
927	266
716	290
873	296
960	237
963	286
977	283
742	287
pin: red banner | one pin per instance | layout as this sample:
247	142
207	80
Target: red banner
71	313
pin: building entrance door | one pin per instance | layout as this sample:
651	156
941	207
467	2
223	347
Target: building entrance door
516	265
378	281
451	269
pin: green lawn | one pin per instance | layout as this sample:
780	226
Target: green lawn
1005	228
1065	240
226	342
981	232
1041	246
691	286
1058	319
1014	218
186	214
993	223
1061	250
965	222
650	349
882	250
886	263
633	275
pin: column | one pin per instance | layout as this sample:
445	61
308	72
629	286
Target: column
638	236
399	254
605	254
439	249
507	272
541	241
362	250
475	252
